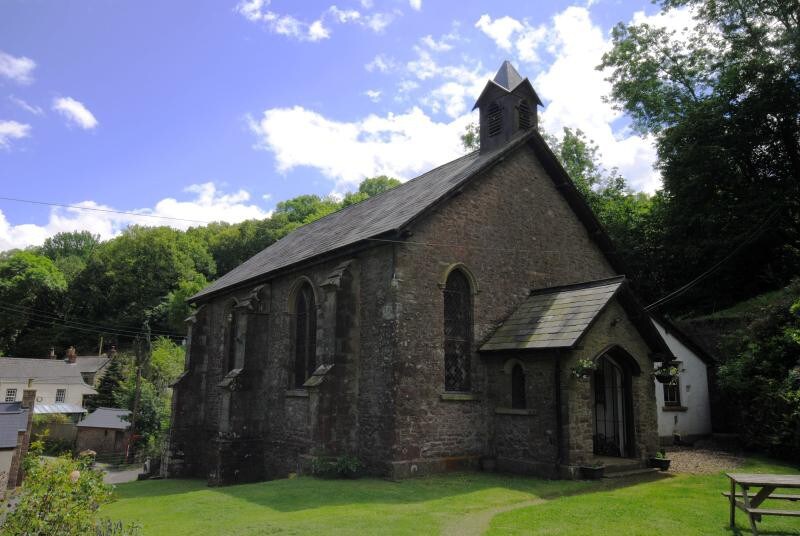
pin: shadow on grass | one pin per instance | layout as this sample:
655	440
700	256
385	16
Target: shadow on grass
290	495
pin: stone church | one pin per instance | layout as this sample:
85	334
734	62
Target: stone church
426	328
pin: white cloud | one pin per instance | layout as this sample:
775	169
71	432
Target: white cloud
12	130
380	63
317	31
399	145
373	94
207	204
290	26
30	108
500	30
424	66
19	69
415	4
573	89
344	15
377	22
75	112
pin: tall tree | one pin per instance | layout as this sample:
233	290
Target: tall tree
722	100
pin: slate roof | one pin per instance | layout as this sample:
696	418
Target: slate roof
507	76
41	370
61	407
554	317
12	419
91	363
373	217
111	418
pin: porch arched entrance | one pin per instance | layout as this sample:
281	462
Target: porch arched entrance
613	431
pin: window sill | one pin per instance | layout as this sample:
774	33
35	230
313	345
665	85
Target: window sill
674	408
454	396
513	411
296	393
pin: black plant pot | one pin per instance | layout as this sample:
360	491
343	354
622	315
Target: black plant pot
662	464
592	473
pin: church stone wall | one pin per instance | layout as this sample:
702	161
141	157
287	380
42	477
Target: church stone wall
231	426
513	231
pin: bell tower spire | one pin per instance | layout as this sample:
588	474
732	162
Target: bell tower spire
508	105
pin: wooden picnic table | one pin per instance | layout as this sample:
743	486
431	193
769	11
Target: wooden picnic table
751	503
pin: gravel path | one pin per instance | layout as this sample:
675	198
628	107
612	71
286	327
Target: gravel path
702	461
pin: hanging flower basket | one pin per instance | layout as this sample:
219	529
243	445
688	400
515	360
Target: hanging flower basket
666	374
583	369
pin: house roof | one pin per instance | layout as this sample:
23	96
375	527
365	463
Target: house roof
386	215
61	407
21	369
13	419
671	328
554	317
112	418
91	363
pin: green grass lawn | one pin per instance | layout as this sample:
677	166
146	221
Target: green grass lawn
679	504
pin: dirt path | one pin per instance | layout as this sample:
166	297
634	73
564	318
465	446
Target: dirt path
477	523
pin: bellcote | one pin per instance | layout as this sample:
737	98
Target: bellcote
507	105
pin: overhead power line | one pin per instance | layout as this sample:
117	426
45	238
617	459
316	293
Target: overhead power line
95	209
118	327
86	327
748	239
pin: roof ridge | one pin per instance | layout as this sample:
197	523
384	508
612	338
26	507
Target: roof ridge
584	284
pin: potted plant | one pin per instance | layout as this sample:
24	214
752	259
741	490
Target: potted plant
666	374
660	461
583	369
592	471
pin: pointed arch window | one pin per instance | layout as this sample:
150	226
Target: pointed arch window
457	332
305	334
518	387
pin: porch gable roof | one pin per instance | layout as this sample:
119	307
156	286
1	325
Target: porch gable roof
554	317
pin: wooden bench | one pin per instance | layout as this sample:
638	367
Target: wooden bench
750	503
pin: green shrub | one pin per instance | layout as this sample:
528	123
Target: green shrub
760	379
335	467
59	496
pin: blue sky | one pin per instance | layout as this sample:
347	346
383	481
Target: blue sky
209	110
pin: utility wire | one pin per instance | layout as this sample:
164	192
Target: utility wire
749	239
95	209
120	327
91	328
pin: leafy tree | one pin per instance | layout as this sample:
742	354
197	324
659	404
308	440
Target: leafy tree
377	185
722	103
79	244
306	208
109	384
59	496
152	417
166	362
30	287
471	138
761	376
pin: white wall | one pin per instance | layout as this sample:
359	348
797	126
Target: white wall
5	464
693	377
46	392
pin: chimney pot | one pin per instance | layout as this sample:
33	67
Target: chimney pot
52	353
71	354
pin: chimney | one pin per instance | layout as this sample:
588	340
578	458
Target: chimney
52	353
113	353
71	355
507	105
